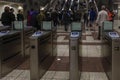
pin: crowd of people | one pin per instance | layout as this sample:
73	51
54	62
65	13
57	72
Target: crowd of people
8	16
65	17
91	17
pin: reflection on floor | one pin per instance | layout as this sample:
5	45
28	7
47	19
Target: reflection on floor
91	58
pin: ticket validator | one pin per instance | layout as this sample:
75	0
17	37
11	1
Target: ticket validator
43	50
26	32
111	51
75	51
48	26
10	51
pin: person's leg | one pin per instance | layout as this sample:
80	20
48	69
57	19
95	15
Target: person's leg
65	26
99	32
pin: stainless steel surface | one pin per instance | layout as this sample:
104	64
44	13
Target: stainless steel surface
54	43
74	56
3	28
10	52
111	56
41	56
28	32
48	26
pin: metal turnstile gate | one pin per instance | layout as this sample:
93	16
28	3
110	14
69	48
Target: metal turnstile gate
74	54
111	55
11	54
41	56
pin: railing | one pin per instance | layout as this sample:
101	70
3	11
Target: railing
96	6
18	1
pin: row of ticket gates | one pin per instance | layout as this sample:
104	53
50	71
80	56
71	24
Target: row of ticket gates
43	49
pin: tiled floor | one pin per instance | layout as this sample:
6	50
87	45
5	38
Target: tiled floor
91	59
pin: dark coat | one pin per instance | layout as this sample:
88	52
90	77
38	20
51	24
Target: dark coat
6	19
20	17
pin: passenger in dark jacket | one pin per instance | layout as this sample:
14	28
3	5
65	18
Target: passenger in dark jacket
92	16
34	22
6	17
20	16
12	14
77	16
55	18
66	19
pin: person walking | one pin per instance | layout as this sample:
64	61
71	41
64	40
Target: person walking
66	19
102	16
54	16
85	17
92	17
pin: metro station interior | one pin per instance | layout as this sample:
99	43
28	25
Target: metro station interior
56	40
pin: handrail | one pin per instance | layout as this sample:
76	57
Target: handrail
86	1
96	6
78	5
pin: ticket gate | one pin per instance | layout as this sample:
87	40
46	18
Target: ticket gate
26	32
40	54
48	26
75	51
4	28
10	51
107	26
111	55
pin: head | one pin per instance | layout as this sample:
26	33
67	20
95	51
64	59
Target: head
19	11
12	10
6	9
103	7
92	8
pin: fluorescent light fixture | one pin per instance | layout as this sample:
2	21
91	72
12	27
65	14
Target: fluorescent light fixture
42	8
58	59
20	7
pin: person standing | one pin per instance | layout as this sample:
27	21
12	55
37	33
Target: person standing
102	16
6	17
20	16
12	15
